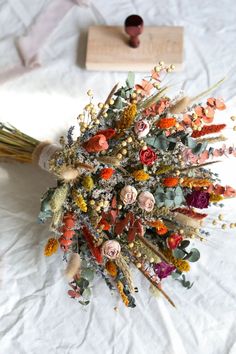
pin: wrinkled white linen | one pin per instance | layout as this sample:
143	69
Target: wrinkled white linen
36	315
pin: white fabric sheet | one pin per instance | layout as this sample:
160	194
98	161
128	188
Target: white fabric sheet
36	315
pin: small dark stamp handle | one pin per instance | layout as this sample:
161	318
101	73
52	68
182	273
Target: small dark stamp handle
134	27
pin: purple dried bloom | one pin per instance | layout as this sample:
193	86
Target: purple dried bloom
163	269
198	199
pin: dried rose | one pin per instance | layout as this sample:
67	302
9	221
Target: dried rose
146	201
198	199
147	157
111	249
128	195
141	128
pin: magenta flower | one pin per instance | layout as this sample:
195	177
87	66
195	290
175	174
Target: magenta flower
163	269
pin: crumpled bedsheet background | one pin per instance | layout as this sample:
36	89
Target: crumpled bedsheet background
36	315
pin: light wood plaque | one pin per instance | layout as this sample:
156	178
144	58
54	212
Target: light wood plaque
108	49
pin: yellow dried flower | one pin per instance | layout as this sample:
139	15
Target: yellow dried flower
111	268
79	201
140	175
51	247
124	298
88	183
163	169
127	117
180	264
214	198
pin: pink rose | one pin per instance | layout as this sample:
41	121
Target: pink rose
111	249
141	128
128	195
146	201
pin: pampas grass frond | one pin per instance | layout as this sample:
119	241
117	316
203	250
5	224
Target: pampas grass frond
73	265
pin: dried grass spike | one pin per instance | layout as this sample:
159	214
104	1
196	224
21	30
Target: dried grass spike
121	263
59	197
181	105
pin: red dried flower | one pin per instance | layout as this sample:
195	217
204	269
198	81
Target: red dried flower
173	241
108	133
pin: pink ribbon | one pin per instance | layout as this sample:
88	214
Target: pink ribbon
30	45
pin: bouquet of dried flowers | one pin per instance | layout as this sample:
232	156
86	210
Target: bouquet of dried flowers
132	189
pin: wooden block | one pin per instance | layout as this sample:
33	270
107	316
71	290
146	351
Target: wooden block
108	49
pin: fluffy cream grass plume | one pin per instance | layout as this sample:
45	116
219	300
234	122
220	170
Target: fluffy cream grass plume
73	265
187	221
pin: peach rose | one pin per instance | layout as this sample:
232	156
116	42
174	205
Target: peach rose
111	249
128	195
146	201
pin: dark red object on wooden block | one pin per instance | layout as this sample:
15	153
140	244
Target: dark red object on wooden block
134	27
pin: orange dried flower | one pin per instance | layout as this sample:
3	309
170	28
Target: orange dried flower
195	182
166	123
160	227
111	268
51	247
170	181
106	173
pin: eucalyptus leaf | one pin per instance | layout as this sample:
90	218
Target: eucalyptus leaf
118	104
195	255
82	283
199	148
188	256
87	293
130	79
159	142
178	191
178	200
87	274
191	142
178	253
169	203
175	275
85	303
184	244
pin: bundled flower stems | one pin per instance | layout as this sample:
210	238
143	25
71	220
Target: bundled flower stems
132	189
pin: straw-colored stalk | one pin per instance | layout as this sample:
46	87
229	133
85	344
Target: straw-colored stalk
15	145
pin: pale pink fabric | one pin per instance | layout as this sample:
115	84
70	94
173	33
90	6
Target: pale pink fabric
30	45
